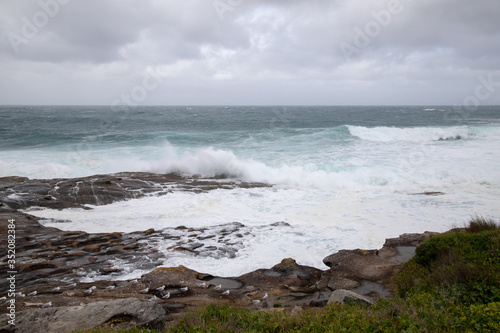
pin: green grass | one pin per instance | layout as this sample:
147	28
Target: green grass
452	284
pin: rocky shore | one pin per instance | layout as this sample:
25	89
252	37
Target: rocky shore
50	263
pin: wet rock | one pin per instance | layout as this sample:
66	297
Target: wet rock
43	252
224	283
35	266
205	237
189	247
109	270
22	193
149	231
92	248
288	273
121	313
430	193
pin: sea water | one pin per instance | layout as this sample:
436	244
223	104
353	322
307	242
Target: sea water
342	177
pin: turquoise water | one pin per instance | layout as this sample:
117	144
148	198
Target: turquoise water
343	177
48	142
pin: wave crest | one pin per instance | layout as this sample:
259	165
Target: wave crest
416	134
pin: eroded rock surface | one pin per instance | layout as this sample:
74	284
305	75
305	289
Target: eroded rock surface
22	193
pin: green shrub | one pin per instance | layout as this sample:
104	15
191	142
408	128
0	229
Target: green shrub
467	263
480	223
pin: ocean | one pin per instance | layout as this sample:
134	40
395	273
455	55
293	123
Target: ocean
342	177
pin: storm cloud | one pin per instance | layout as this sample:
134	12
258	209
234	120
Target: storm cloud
249	52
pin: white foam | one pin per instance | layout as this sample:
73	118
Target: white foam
417	134
335	193
321	222
398	166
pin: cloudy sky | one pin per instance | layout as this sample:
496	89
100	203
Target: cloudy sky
286	52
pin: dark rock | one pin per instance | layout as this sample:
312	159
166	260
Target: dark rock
173	276
149	231
35	266
98	189
92	248
189	247
205	237
429	193
121	313
109	270
338	282
409	239
286	266
186	249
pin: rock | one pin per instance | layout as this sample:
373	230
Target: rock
286	265
35	266
429	193
21	193
369	271
92	248
409	239
361	264
288	273
337	282
171	276
5	207
343	296
109	270
121	313
149	231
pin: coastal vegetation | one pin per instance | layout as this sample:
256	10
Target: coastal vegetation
452	284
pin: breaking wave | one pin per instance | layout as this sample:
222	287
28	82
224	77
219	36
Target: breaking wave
416	134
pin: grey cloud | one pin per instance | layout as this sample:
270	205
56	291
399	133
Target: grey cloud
256	49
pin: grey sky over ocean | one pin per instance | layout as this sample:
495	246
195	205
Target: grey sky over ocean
200	52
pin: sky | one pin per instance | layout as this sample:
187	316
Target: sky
250	52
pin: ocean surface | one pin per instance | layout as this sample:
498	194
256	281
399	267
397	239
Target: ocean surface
343	177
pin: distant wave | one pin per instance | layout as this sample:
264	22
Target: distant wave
416	134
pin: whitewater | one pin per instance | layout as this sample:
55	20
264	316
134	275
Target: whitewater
342	177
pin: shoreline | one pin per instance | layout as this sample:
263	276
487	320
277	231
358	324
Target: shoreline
50	260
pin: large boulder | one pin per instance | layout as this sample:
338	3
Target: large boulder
172	276
361	264
123	313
